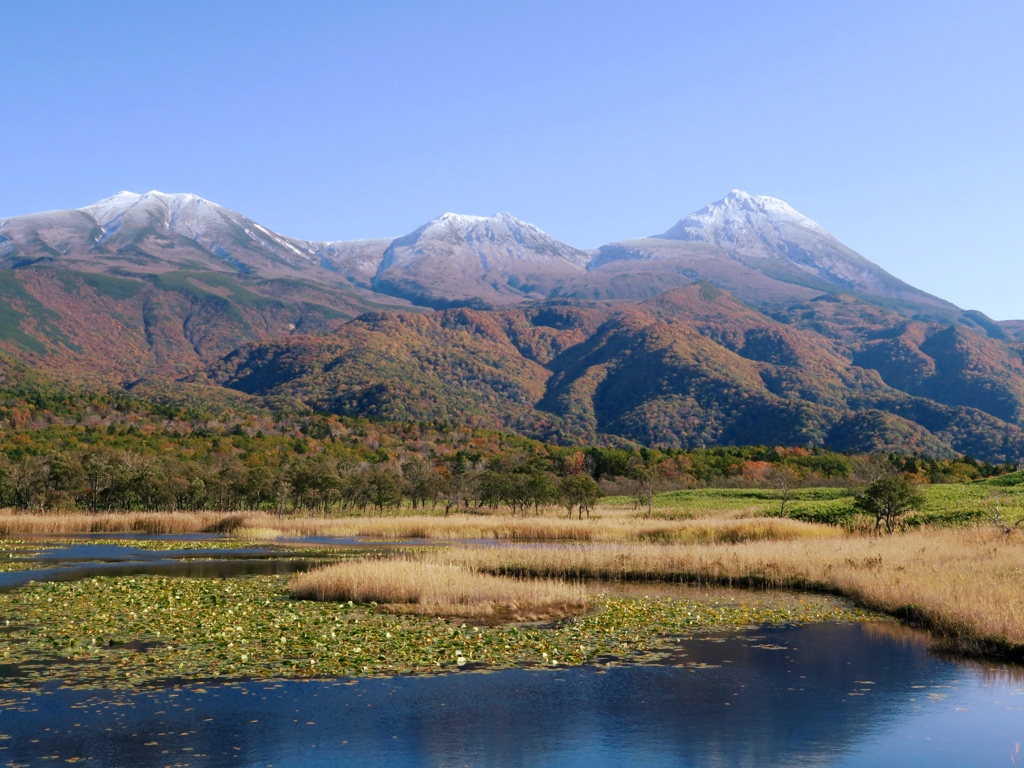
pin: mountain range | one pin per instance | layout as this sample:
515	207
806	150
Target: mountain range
745	322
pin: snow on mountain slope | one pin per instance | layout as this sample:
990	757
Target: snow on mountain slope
456	258
214	227
501	238
741	234
739	218
470	257
356	260
182	213
758	247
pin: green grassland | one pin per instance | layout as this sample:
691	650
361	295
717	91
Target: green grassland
945	505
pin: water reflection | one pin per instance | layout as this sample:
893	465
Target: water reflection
75	560
819	695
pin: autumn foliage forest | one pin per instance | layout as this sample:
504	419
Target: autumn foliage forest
65	450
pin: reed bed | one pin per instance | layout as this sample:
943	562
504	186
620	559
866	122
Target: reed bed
439	588
63	523
507	528
263	526
967	586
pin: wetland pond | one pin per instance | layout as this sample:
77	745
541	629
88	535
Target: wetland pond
826	693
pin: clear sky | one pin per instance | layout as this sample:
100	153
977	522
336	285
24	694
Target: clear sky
897	125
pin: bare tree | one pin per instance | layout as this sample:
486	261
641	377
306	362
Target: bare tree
785	480
96	466
871	468
996	517
643	477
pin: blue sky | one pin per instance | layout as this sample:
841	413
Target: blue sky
897	125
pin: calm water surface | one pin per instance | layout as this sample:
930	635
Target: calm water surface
853	695
72	560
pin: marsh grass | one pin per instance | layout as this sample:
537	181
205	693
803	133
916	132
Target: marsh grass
964	582
62	523
257	526
439	588
504	527
967	586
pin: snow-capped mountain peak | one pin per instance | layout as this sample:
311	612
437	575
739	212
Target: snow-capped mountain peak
767	233
182	213
456	258
214	227
759	247
122	203
457	219
739	214
501	236
463	224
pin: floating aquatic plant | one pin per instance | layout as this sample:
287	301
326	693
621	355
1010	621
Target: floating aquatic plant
128	632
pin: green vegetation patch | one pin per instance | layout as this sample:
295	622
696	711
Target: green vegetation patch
117	288
327	312
163	545
6	566
726	497
832	512
754	501
190	284
944	505
213	545
128	632
962	503
1012	479
16	547
13	553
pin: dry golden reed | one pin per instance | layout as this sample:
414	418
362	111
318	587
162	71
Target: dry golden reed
503	527
967	585
439	588
63	523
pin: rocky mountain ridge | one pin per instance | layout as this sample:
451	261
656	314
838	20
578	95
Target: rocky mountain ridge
757	247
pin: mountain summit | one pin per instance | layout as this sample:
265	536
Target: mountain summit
738	219
458	259
766	252
137	231
176	211
500	237
752	228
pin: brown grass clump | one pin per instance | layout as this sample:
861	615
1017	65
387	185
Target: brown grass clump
967	586
439	589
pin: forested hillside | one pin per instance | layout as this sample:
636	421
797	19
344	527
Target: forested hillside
690	368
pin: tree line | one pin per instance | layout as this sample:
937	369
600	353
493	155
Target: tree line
104	480
328	464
